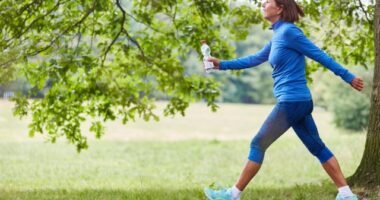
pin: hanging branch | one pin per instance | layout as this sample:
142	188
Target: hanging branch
136	43
123	30
118	33
365	13
65	31
32	23
91	10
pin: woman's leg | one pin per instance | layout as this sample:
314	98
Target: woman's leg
333	170
308	133
274	126
331	166
250	170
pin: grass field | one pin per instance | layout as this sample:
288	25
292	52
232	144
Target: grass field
171	159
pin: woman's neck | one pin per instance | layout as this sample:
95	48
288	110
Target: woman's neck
274	20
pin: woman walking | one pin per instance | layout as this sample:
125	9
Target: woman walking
286	53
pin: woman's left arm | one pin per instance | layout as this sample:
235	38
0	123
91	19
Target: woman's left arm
299	42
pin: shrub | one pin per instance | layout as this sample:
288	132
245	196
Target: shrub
349	107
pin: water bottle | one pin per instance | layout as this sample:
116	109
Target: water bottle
205	49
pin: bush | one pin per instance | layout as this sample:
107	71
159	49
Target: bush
349	107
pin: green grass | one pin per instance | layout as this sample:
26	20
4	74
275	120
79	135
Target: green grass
173	159
138	168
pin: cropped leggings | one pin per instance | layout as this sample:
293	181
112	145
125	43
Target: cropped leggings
283	116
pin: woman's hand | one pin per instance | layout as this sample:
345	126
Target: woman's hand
215	61
357	83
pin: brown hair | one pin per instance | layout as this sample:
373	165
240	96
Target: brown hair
291	10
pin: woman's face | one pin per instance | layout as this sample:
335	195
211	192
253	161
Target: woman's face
271	11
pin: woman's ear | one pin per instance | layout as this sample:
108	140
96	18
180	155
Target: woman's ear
280	10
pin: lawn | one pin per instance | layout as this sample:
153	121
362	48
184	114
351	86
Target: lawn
171	159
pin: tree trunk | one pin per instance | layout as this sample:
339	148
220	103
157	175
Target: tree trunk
368	173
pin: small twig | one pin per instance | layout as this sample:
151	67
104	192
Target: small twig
79	40
174	21
147	25
27	6
5	64
93	31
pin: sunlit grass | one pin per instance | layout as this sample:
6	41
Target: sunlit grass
172	159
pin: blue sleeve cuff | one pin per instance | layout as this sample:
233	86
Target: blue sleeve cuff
222	65
348	77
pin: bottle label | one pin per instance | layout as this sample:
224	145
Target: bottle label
208	65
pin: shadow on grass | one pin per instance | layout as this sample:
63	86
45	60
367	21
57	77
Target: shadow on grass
325	191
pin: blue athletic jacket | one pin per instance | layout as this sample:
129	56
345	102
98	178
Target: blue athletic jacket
286	53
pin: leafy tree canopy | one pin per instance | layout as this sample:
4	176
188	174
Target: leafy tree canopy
104	58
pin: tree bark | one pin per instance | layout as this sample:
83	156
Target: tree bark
368	173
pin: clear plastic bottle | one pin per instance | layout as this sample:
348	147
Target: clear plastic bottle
205	49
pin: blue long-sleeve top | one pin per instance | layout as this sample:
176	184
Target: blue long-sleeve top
286	53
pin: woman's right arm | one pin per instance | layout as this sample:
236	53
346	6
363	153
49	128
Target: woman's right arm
244	62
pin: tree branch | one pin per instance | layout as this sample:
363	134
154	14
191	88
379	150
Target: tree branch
27	6
147	25
118	33
64	32
32	23
365	13
93	31
79	34
136	43
6	63
56	38
176	33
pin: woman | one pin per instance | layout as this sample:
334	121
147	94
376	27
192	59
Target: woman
286	53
